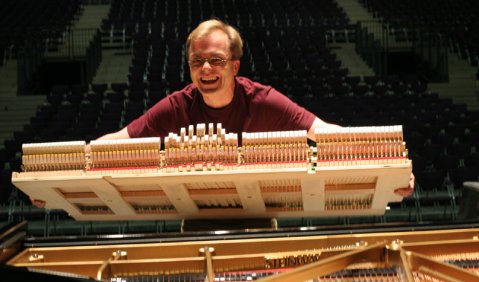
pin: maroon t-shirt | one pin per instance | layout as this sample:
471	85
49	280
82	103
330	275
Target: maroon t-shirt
254	108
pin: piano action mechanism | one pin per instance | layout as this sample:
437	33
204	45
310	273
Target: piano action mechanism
208	173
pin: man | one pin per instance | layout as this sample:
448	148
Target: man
218	95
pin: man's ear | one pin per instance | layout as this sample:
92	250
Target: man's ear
236	66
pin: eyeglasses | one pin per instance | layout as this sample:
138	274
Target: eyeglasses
215	61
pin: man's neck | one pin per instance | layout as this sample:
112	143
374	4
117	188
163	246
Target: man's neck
219	100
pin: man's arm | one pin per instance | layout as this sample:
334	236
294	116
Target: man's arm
121	134
318	123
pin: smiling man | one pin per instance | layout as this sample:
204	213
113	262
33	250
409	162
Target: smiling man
213	66
218	95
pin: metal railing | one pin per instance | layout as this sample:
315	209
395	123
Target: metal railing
431	47
83	45
72	44
372	44
376	39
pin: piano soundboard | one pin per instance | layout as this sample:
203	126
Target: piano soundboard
204	172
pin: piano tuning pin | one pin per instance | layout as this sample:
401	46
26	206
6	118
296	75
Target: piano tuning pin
35	257
361	243
396	244
209	249
119	254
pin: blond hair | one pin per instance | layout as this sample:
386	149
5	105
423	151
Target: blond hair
206	27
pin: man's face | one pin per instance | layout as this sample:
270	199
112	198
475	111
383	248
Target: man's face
214	77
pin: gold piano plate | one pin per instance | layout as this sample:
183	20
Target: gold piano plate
428	255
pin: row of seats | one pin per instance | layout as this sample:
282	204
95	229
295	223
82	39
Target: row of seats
456	20
430	135
23	21
287	48
135	15
159	57
141	17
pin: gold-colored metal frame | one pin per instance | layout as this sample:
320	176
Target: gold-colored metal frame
411	251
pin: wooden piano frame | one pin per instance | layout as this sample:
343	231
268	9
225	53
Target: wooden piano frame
301	192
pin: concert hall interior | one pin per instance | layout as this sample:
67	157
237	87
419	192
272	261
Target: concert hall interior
401	77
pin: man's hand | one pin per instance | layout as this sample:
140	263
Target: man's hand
406	192
38	203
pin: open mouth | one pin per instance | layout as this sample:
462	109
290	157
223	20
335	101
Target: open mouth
209	80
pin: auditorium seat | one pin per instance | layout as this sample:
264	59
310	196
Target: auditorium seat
431	179
431	128
112	111
12	147
119	87
419	163
136	74
461	150
472	160
74	97
107	126
390	80
137	90
442	138
371	80
459	175
430	151
455	129
6	184
472	139
60	89
98	88
352	80
95	98
360	89
114	96
78	89
16	162
446	162
3	157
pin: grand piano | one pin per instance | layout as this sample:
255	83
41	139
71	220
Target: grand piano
211	181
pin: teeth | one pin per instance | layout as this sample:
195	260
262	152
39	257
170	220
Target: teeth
209	79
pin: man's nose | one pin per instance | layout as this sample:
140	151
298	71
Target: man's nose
206	64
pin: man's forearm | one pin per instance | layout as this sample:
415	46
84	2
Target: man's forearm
121	134
318	123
